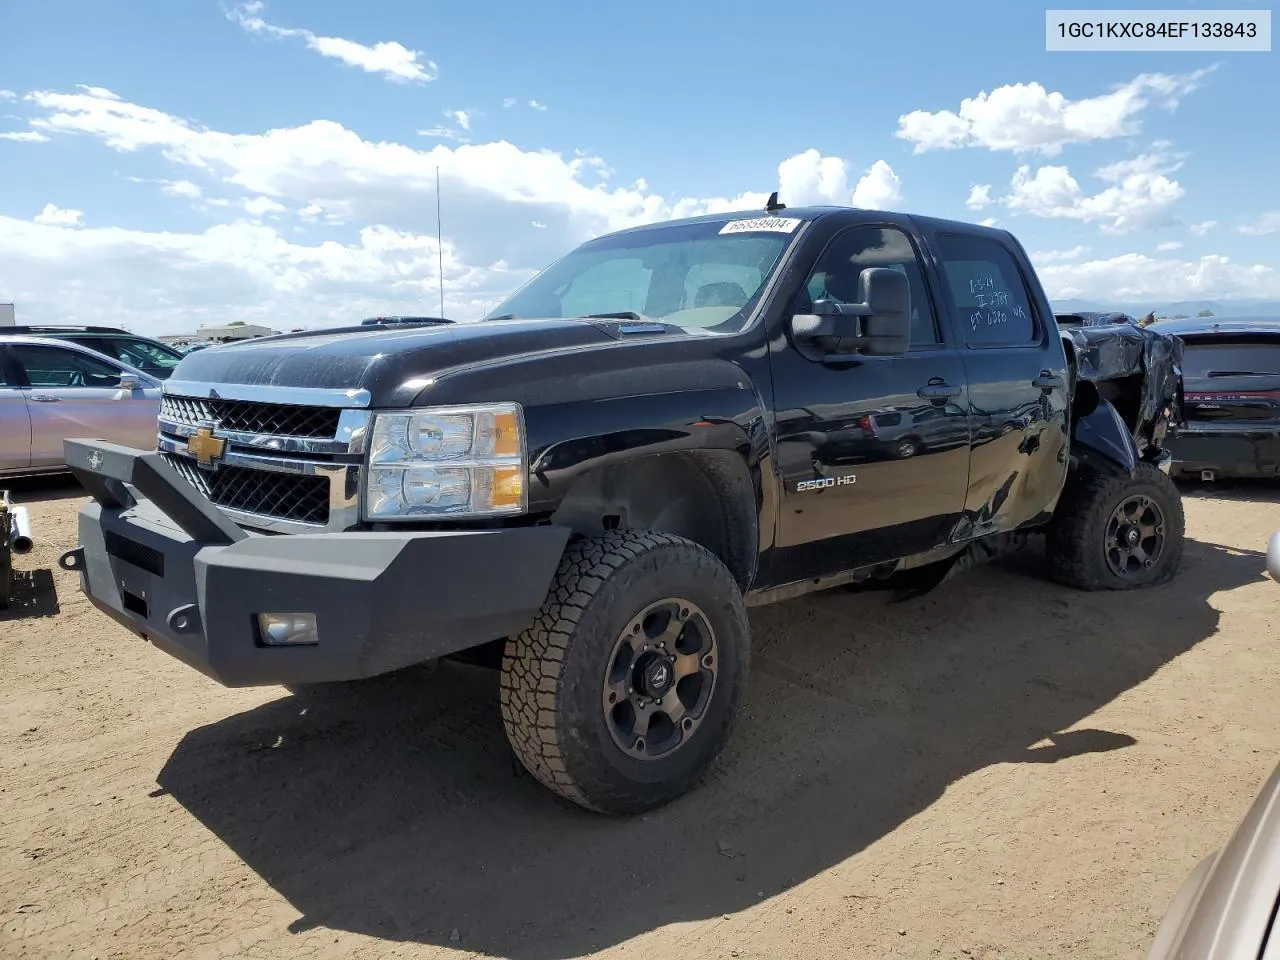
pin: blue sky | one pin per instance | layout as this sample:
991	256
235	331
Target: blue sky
164	164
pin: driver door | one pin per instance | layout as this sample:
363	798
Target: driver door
873	450
75	393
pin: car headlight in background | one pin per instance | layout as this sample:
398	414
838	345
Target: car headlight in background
447	462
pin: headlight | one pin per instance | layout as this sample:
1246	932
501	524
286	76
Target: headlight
447	462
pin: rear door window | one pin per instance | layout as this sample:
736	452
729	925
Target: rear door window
987	291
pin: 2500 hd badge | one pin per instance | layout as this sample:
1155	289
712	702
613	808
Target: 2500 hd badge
824	482
590	486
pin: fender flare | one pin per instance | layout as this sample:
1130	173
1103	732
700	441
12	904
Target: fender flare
1102	434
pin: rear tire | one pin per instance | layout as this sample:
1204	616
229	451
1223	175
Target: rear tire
1113	532
607	703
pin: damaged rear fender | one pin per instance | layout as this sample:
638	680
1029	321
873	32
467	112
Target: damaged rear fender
1136	370
1101	434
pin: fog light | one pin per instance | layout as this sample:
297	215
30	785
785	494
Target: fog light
287	629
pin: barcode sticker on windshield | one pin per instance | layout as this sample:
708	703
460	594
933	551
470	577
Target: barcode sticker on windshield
758	224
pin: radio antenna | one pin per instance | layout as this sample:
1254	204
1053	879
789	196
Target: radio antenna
439	243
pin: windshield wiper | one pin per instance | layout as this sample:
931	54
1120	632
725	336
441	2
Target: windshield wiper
1242	373
504	316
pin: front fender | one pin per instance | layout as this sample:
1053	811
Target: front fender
1102	434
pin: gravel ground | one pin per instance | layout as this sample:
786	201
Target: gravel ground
1000	769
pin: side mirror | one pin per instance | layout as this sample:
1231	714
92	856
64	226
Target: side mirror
128	381
878	326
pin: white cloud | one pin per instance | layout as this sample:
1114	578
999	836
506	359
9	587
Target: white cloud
8	95
1169	246
1160	159
988	222
24	136
510	102
391	60
1025	117
1200	229
1265	224
536	105
54	215
1140	196
461	117
181	188
878	189
979	196
1057	256
441	133
1135	276
811	178
507	211
171	282
261	206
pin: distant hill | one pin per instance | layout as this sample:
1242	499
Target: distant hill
1220	308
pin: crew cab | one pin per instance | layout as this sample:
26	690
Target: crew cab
666	426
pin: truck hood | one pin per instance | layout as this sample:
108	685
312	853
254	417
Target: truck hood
388	362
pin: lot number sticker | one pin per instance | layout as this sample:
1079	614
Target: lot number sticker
759	224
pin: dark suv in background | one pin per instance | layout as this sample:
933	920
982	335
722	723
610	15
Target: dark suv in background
1231	397
150	356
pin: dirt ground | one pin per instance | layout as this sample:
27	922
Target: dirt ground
1000	769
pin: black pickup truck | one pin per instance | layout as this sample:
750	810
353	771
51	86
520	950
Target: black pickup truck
666	426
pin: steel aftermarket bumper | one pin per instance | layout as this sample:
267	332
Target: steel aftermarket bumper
163	561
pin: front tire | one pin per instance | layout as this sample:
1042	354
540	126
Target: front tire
1114	532
625	688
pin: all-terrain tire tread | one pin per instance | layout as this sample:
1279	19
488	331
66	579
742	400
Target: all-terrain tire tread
1072	555
533	661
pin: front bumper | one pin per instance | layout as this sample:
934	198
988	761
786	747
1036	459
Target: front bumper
167	564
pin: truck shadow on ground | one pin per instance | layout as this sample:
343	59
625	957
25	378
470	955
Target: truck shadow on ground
391	808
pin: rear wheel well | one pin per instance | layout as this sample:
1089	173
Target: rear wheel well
707	496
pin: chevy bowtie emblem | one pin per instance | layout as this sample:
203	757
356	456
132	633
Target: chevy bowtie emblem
205	447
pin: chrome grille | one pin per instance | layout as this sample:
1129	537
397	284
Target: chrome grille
274	419
284	496
292	456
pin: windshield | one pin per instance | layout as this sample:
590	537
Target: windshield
699	276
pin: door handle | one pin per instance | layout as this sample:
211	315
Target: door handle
43	398
1047	381
937	390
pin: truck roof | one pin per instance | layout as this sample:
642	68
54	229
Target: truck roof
846	214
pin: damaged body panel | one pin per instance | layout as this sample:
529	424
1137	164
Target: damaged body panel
1126	392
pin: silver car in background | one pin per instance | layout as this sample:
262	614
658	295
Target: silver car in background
1227	908
54	389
